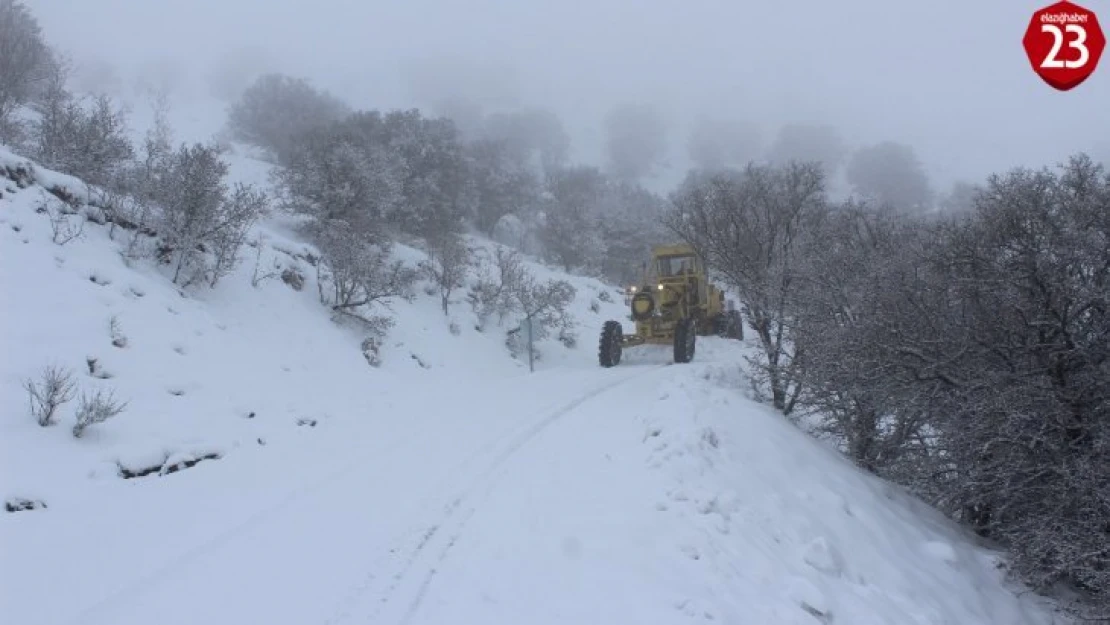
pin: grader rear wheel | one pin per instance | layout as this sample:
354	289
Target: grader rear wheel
730	325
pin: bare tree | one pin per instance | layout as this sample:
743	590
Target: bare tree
750	227
55	387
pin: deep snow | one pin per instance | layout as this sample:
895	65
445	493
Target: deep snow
461	490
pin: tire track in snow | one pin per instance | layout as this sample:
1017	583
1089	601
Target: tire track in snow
418	538
485	481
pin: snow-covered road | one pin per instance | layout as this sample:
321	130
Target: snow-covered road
504	474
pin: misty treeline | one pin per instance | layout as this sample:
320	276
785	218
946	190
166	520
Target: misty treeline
402	174
366	180
965	356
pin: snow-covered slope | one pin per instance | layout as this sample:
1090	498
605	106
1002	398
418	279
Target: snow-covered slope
449	485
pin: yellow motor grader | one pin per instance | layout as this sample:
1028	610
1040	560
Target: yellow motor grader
674	304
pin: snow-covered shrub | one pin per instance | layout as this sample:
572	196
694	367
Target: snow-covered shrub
54	387
505	287
119	339
376	328
361	273
203	224
447	266
96	408
64	225
294	277
497	279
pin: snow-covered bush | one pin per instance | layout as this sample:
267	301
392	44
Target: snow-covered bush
96	408
447	266
360	273
119	339
54	387
65	225
505	287
497	279
202	224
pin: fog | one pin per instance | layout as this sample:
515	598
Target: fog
950	78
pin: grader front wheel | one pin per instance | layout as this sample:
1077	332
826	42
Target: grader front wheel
609	347
685	338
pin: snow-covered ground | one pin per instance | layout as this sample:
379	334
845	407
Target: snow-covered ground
447	486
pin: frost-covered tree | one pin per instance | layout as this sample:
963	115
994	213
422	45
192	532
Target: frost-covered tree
1022	365
276	110
569	234
435	178
858	273
890	173
338	174
630	220
500	184
966	356
25	61
87	138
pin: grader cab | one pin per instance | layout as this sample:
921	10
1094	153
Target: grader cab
674	303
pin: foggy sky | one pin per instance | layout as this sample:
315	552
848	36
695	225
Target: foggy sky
950	78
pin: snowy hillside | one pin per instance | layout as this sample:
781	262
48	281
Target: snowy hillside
264	472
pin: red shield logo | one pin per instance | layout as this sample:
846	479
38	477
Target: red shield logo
1064	42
